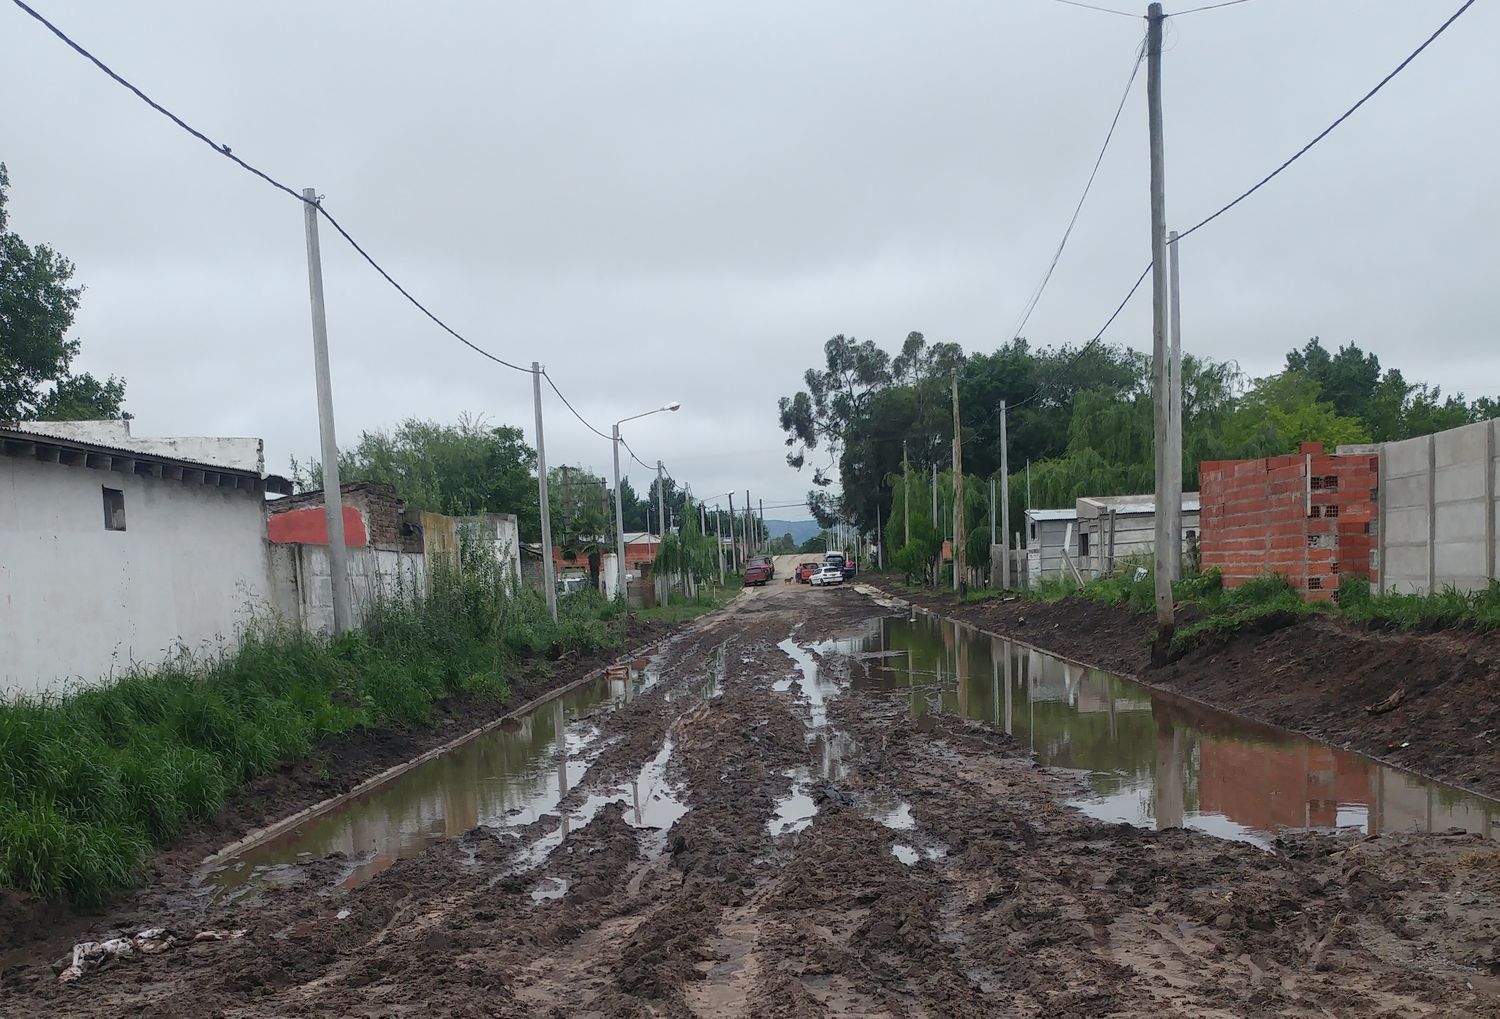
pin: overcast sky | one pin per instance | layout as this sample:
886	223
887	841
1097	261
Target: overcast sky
683	200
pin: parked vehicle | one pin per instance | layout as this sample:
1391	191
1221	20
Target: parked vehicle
827	574
757	573
848	569
763	560
806	570
836	558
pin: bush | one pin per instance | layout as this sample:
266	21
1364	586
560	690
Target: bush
89	781
1447	609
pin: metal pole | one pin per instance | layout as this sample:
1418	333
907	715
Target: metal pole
762	504
549	579
960	578
749	518
1174	418
1004	500
619	520
1159	309
879	545
333	500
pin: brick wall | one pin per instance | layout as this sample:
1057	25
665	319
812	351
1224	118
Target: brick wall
375	502
1309	517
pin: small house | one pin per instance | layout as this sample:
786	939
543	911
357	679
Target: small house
1047	531
117	549
1112	528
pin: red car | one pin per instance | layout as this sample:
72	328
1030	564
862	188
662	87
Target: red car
805	571
757	573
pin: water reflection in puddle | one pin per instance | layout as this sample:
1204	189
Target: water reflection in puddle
506	779
1150	759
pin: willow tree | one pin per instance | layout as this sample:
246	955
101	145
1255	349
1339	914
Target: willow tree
689	555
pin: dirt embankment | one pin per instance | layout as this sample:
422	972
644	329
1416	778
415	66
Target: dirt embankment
1436	696
939	873
336	765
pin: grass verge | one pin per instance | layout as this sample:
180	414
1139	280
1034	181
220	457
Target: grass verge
681	609
92	779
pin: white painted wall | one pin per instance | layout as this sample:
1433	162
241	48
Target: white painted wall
78	602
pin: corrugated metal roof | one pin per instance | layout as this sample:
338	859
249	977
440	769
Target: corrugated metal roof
1139	503
1052	514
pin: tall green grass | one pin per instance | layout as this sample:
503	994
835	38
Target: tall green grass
1446	609
91	779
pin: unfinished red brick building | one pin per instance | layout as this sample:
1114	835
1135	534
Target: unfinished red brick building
1309	517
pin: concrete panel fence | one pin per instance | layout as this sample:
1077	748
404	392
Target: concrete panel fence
1438	512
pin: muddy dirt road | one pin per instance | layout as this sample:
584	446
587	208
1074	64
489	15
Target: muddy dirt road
754	833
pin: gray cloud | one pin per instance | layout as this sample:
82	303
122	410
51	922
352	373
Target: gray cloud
683	200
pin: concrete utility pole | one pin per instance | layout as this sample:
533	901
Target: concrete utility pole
662	583
1004	501
749	519
333	497
762	504
734	561
549	580
620	520
960	578
992	531
1174	418
906	491
1159	309
934	500
719	532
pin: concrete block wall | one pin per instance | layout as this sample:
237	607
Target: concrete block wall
1439	511
1309	517
302	593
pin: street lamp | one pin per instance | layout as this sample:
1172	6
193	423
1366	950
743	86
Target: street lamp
619	511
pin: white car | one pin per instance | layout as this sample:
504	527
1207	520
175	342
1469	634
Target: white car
827	574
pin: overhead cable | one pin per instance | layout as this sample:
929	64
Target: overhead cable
225	151
1036	295
1266	180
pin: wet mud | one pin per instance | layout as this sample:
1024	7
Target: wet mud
1316	676
840	852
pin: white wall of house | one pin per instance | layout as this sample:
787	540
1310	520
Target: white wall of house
1045	534
79	602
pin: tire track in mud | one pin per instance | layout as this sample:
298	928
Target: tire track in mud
937	874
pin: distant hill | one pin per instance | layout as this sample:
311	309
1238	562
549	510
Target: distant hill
800	530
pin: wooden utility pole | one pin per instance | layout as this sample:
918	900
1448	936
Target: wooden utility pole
960	578
1159	309
1174	417
1004	501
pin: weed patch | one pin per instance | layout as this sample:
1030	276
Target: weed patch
90	780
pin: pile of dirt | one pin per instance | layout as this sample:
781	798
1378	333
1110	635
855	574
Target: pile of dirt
1427	702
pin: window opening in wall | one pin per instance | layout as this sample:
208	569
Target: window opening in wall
114	509
1083	545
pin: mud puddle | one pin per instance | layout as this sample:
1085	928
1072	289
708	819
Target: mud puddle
1149	759
506	779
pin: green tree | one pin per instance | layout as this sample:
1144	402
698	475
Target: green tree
1283	410
37	306
462	469
816	545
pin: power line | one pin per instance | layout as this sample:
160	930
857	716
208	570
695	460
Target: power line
1264	180
1101	10
572	408
225	151
1329	129
1036	295
1209	7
